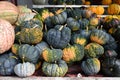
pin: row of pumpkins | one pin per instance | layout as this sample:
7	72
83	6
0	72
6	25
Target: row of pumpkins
52	39
73	2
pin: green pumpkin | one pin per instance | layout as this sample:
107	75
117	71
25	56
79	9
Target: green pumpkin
111	67
85	34
99	36
73	53
84	23
52	55
61	2
59	36
30	35
94	50
28	53
7	63
73	24
58	69
91	66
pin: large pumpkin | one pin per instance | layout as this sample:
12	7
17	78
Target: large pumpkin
99	36
58	69
91	66
73	53
114	9
52	55
94	50
7	63
59	36
7	36
8	11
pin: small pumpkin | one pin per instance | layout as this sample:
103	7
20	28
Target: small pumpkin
92	8
93	22
59	36
84	23
24	69
58	69
28	53
113	9
85	33
94	50
100	10
99	36
7	63
106	2
52	55
73	53
73	24
79	2
86	13
91	66
116	34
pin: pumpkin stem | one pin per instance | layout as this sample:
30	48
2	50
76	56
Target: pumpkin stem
19	42
65	7
46	28
13	57
62	27
69	44
101	27
35	11
23	58
51	47
87	28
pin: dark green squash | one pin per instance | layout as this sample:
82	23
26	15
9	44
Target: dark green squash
79	2
73	53
85	34
94	50
91	66
7	63
116	34
52	55
109	54
73	24
84	23
58	69
99	36
61	2
28	53
52	2
59	36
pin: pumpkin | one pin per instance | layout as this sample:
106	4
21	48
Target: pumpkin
30	35
85	33
86	13
87	3
7	63
52	55
79	2
92	8
84	23
113	9
93	22
73	24
111	67
40	2
52	2
15	48
58	69
116	1
41	47
7	36
28	53
8	11
59	36
110	54
24	69
79	39
106	2
70	2
99	10
94	50
61	2
99	36
73	53
116	34
91	66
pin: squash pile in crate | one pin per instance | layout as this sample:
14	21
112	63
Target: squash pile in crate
51	41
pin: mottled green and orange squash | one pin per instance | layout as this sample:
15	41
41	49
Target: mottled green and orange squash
52	55
93	50
91	66
15	48
99	36
73	53
93	22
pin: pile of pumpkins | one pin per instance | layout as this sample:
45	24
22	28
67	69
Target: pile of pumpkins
51	39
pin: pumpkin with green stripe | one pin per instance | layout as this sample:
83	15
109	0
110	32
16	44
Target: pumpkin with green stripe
91	66
73	53
30	35
28	53
94	50
99	36
52	55
58	69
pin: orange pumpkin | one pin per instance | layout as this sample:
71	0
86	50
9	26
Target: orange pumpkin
107	2
99	10
92	8
87	3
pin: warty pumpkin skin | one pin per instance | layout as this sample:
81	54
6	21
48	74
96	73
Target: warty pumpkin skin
24	69
58	69
28	53
99	10
8	11
94	50
59	36
7	63
99	36
52	55
91	66
7	36
73	53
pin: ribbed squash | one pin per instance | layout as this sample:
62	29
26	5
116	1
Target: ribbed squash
107	2
73	53
114	9
93	22
8	11
94	50
91	66
99	36
52	55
